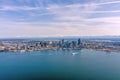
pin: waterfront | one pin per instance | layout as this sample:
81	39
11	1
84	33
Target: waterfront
28	45
60	64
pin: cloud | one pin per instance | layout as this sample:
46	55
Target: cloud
109	2
40	4
59	20
59	29
17	8
31	31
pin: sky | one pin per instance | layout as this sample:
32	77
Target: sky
57	18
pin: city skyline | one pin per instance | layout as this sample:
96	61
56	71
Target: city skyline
56	18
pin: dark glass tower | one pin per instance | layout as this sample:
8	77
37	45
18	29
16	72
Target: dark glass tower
79	41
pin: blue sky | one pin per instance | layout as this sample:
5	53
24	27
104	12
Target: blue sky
50	18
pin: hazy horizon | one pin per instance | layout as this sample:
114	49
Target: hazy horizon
59	18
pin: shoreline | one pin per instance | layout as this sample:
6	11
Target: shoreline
64	44
22	51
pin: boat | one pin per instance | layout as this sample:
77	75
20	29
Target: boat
74	53
107	50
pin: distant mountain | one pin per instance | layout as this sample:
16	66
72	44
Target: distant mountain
67	37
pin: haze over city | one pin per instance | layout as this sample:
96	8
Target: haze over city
43	18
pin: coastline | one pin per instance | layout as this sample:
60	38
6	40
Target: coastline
63	44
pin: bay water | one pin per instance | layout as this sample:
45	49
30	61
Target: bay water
60	65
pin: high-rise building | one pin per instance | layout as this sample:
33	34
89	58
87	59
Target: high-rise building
62	41
79	41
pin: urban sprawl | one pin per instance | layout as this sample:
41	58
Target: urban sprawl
32	45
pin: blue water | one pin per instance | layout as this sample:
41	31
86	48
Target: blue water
60	64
